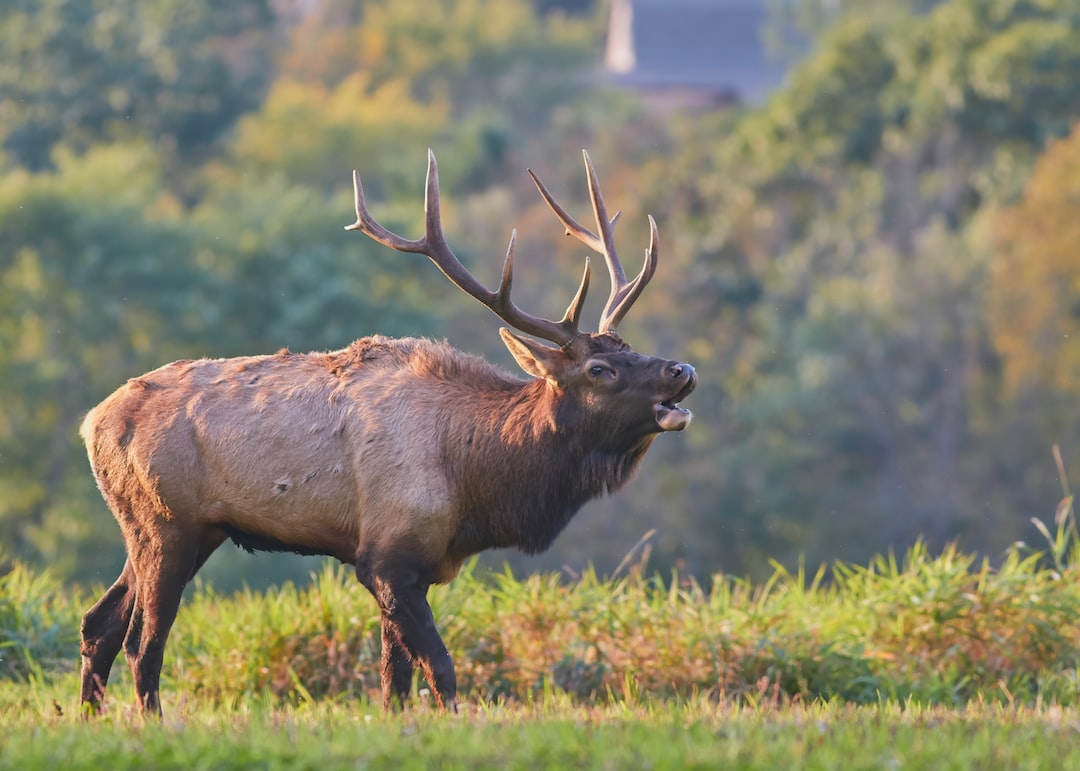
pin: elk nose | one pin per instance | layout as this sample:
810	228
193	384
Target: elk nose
677	370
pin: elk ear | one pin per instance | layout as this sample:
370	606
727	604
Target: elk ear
535	358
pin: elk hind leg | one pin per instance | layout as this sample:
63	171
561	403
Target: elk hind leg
102	635
162	576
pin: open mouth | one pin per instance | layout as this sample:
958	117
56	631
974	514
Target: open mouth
669	415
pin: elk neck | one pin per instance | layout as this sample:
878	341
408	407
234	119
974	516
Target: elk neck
529	463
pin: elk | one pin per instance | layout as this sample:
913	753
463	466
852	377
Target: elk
401	457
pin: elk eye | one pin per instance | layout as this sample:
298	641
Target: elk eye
596	370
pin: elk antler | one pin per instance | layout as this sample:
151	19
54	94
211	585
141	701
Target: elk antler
623	293
434	246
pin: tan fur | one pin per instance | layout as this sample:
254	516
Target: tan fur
318	450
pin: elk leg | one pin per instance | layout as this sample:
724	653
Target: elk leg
161	580
396	669
102	635
408	624
212	539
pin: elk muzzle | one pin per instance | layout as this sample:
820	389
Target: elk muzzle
681	380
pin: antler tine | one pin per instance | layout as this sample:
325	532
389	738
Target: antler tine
573	227
571	318
615	268
629	293
434	246
573	311
623	293
365	223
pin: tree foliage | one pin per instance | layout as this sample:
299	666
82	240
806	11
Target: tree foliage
97	282
82	72
844	280
1035	281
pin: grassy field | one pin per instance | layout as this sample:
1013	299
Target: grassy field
551	732
932	661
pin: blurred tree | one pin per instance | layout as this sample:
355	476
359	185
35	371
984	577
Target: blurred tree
176	71
312	134
1035	283
581	7
502	69
97	284
845	246
288	274
469	78
472	78
366	100
793	26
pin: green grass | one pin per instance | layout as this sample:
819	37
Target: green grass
552	732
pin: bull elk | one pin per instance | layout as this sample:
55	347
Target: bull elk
401	457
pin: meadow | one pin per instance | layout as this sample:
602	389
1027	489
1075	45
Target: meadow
929	660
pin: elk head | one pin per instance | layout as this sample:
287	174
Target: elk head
597	373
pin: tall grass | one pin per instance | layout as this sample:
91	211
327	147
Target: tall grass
1063	545
926	629
39	624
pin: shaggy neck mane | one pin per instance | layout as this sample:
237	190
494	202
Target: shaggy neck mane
528	465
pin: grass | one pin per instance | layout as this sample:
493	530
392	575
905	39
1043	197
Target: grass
553	731
932	630
939	661
935	662
936	630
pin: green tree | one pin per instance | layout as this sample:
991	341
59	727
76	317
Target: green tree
1034	316
80	72
1035	283
312	134
494	71
841	235
97	284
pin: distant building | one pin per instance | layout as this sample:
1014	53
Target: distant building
691	53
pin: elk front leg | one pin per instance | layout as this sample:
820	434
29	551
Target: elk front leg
408	628
396	670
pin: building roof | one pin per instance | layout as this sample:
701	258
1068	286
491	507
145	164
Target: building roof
709	45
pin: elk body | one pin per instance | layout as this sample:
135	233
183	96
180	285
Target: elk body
402	457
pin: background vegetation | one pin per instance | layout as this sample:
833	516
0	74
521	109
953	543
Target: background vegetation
875	270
